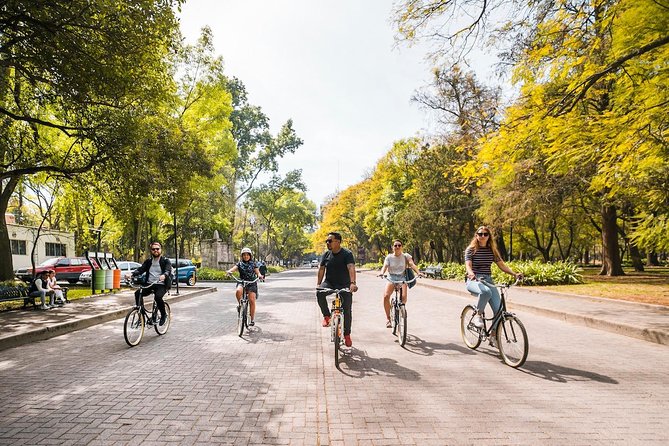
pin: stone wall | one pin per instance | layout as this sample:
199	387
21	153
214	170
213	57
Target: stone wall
216	253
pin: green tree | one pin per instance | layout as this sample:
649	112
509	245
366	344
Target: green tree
74	75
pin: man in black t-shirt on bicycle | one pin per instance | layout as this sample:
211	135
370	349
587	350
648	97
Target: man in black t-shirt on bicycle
338	267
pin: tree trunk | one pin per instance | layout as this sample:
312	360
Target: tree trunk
636	257
501	246
440	250
6	263
611	263
651	259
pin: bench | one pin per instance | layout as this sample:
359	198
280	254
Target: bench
10	293
433	271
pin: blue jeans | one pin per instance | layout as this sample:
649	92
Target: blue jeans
485	293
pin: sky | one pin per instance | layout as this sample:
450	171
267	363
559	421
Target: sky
332	67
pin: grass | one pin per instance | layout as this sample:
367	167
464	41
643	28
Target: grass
650	286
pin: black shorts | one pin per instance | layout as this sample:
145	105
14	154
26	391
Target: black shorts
252	287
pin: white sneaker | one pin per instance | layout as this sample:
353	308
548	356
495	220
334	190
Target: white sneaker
44	307
478	321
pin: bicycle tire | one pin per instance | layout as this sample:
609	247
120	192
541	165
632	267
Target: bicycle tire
162	329
512	341
241	318
133	327
394	316
470	335
402	325
337	339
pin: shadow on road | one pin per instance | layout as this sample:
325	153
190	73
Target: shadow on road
421	347
556	373
359	365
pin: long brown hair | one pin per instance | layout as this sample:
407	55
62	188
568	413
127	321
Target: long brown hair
474	244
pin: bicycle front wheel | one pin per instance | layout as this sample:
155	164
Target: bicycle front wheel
162	329
512	341
241	318
337	338
470	334
133	327
402	325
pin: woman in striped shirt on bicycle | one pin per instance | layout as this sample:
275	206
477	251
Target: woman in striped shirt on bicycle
479	256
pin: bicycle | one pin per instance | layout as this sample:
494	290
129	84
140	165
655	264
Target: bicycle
139	317
243	307
336	319
511	336
398	310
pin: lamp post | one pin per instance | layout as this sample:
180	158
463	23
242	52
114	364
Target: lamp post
176	252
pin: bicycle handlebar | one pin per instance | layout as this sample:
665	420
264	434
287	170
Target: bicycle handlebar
243	282
385	276
333	291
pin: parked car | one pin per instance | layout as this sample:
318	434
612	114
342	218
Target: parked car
187	271
67	268
315	263
126	267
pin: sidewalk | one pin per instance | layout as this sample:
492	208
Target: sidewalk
642	321
19	327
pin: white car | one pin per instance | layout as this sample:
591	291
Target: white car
315	263
126	268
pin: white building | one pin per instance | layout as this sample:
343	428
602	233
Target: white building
51	243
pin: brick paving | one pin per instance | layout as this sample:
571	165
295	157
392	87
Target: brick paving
202	384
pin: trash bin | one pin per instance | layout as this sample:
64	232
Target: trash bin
109	279
117	278
99	279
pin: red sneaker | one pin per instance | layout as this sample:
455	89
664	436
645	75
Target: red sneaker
326	321
347	340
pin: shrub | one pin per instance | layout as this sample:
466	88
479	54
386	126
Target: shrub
538	273
211	274
373	265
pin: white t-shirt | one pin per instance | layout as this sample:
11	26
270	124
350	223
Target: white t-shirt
397	264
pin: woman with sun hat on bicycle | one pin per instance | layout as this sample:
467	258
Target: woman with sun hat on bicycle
479	257
248	270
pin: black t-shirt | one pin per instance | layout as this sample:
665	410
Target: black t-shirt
336	270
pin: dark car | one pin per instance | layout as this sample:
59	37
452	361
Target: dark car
187	271
67	268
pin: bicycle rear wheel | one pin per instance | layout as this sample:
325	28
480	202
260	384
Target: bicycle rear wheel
337	338
470	334
402	325
162	329
133	327
241	318
512	341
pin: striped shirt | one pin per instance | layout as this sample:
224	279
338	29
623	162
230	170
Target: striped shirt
481	260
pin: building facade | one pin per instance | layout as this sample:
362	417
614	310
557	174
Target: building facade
51	243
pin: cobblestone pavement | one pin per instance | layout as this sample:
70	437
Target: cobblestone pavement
202	384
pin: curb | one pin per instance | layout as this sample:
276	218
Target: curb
41	334
645	334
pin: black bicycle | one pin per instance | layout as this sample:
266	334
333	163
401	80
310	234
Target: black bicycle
510	335
139	317
336	319
243	307
398	310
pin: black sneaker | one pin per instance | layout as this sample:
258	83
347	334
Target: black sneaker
252	323
163	318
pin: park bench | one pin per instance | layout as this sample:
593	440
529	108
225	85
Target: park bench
433	271
10	293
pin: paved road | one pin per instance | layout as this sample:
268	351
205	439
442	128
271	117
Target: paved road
201	384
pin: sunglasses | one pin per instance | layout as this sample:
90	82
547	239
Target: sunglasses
155	249
397	246
482	234
329	240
